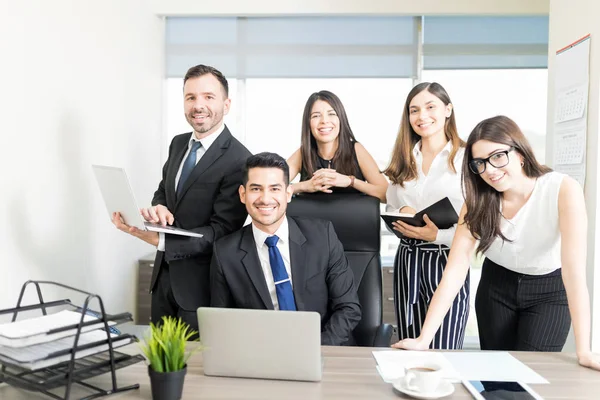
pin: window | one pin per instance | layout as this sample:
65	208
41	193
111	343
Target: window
275	63
520	94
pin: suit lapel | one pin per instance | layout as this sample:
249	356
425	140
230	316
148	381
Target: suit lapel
297	257
252	264
214	152
171	190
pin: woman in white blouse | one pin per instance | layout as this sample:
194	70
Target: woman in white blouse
531	225
426	167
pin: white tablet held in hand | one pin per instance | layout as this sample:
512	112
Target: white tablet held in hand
118	197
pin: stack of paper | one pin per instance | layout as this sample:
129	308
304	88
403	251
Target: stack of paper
28	343
32	331
41	355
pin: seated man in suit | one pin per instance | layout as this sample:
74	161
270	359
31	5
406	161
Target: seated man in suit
283	263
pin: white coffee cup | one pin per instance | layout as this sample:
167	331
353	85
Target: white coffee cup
422	377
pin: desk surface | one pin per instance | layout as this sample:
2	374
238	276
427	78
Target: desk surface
349	373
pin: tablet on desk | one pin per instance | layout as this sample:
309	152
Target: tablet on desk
500	390
118	197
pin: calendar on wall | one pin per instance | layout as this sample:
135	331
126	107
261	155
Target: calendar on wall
571	104
571	151
570	111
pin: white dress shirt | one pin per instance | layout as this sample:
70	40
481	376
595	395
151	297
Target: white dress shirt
283	245
427	189
206	143
534	231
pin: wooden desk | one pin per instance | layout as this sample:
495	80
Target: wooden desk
349	373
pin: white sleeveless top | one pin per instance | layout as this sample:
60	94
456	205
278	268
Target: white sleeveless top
534	231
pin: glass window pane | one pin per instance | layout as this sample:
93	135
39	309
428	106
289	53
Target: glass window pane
520	94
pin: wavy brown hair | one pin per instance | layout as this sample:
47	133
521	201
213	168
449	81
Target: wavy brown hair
343	159
483	215
403	167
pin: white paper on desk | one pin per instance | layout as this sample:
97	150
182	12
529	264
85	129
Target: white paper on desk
391	363
492	366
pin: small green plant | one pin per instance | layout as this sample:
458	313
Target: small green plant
165	346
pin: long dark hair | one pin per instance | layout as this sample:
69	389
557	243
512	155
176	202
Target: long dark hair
343	159
402	166
483	215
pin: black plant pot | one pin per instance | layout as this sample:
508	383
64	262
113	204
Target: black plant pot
167	385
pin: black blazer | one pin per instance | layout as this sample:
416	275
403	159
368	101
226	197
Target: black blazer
321	278
209	204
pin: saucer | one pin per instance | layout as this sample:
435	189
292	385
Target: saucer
444	389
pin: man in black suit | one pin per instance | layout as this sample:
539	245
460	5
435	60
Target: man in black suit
280	262
197	192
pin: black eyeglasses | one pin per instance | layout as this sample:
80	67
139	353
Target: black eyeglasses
497	160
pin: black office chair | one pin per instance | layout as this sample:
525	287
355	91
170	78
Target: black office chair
356	220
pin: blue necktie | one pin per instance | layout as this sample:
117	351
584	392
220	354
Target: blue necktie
283	286
188	166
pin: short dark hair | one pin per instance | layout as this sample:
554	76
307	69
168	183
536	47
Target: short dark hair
201	70
266	160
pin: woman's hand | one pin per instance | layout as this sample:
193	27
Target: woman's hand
333	178
589	360
317	183
411	344
428	232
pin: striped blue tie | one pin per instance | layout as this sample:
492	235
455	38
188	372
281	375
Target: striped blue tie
188	166
283	285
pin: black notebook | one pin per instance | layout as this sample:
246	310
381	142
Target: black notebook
441	213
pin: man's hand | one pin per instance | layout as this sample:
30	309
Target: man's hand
158	214
146	236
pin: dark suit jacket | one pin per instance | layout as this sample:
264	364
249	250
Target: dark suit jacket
209	204
321	278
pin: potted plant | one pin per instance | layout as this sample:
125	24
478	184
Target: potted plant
165	350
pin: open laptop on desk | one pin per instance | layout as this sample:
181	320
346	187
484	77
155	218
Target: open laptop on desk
119	197
261	343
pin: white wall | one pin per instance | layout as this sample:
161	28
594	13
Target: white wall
569	21
349	7
80	83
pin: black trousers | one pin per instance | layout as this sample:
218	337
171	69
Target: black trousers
163	302
521	312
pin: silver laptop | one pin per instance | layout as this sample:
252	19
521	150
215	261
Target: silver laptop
119	197
261	343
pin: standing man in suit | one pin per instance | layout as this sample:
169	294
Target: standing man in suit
197	192
283	263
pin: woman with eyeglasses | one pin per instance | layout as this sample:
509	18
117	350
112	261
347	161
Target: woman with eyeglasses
531	225
425	168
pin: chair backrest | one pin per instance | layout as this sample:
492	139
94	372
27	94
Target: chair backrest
355	218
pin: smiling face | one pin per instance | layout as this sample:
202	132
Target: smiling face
428	114
266	195
324	122
500	178
205	104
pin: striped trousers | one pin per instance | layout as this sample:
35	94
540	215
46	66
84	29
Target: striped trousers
521	312
418	270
